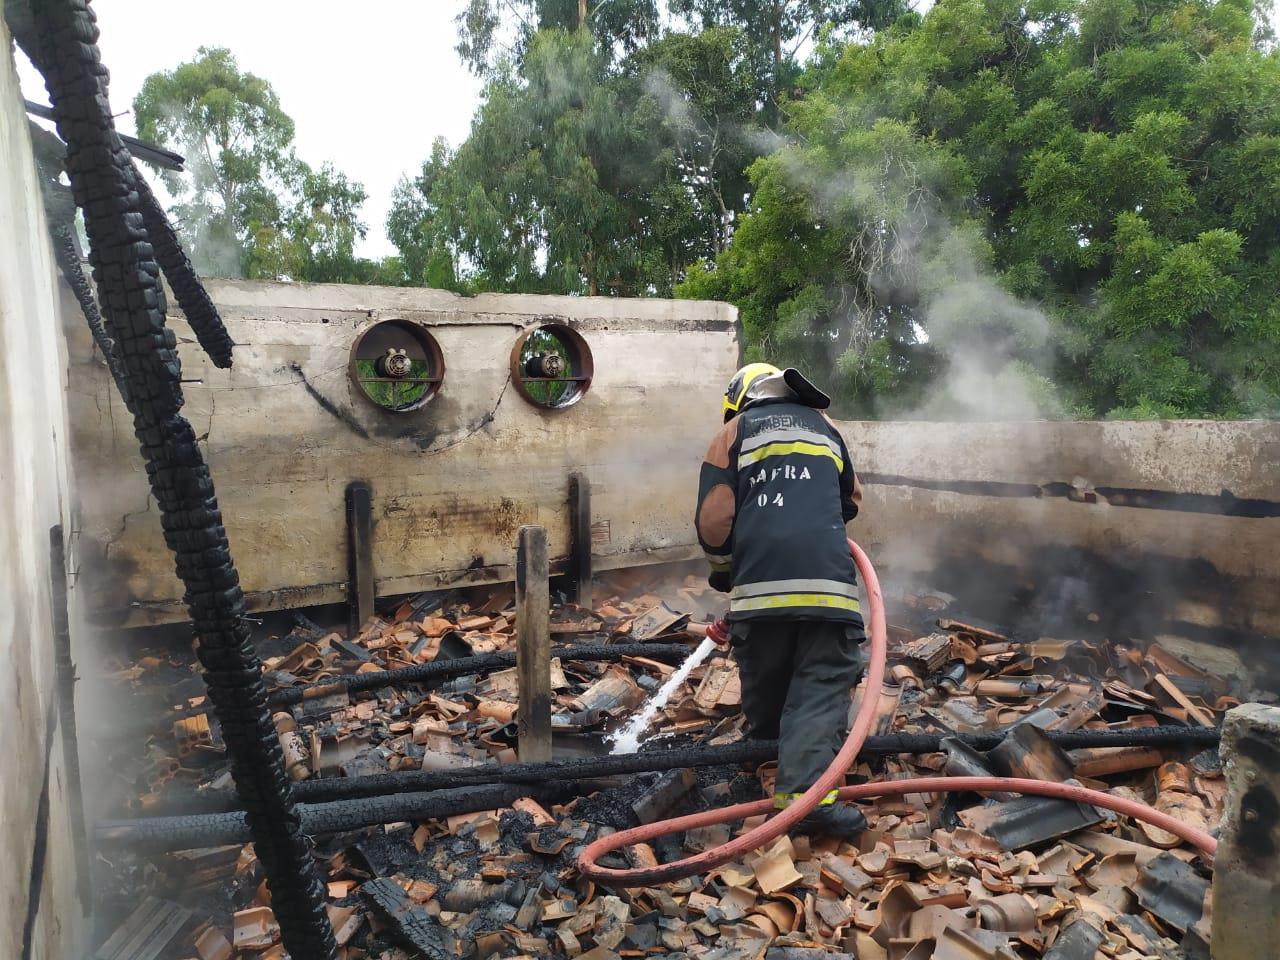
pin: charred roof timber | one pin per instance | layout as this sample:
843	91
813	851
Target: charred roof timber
108	188
140	149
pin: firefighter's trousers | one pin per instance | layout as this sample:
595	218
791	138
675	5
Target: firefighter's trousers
797	678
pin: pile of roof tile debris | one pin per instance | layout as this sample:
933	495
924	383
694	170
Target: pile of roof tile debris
953	877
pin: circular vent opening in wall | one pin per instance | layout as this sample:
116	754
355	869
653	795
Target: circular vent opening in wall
551	366
397	365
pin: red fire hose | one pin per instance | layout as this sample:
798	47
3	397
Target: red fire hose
775	826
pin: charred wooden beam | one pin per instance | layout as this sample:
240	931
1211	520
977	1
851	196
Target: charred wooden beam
663	795
649	761
338	816
533	645
412	925
360	579
458	667
104	183
580	568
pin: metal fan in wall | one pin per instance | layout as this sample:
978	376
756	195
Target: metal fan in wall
551	366
397	365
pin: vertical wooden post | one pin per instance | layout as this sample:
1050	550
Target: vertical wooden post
360	583
580	538
533	645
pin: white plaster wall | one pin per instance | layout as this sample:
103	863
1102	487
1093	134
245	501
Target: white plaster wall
33	498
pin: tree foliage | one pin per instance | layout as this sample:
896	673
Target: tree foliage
248	206
1073	201
611	148
774	32
579	177
1001	207
617	27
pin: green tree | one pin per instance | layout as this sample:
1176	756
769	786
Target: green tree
325	226
248	206
555	189
1084	190
238	143
702	85
617	26
421	231
833	267
775	32
585	175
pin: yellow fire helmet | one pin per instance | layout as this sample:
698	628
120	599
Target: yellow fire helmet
741	382
761	381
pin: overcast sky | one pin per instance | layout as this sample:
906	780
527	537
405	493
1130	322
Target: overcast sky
368	85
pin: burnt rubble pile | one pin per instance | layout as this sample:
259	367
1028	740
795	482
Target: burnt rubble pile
947	876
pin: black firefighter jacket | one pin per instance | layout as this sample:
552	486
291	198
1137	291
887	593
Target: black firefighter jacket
775	492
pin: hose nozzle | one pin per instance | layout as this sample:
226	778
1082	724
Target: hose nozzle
718	632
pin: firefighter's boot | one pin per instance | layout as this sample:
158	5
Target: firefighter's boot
843	820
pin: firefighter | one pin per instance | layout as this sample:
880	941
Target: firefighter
776	489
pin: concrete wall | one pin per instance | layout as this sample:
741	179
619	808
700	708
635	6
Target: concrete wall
33	498
285	431
1176	521
1177	517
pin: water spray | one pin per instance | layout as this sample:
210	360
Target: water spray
627	740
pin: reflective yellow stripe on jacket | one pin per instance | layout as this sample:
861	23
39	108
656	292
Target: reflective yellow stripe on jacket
780	601
782	449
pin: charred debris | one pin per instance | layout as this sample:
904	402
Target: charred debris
435	842
355	793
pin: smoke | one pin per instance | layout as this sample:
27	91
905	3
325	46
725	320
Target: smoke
916	266
992	353
914	247
195	207
1027	557
996	352
1020	553
679	113
215	250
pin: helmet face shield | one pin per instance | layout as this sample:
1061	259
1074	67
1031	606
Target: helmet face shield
741	383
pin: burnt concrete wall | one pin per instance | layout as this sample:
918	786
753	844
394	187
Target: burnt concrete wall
1146	525
36	866
286	430
1151	524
